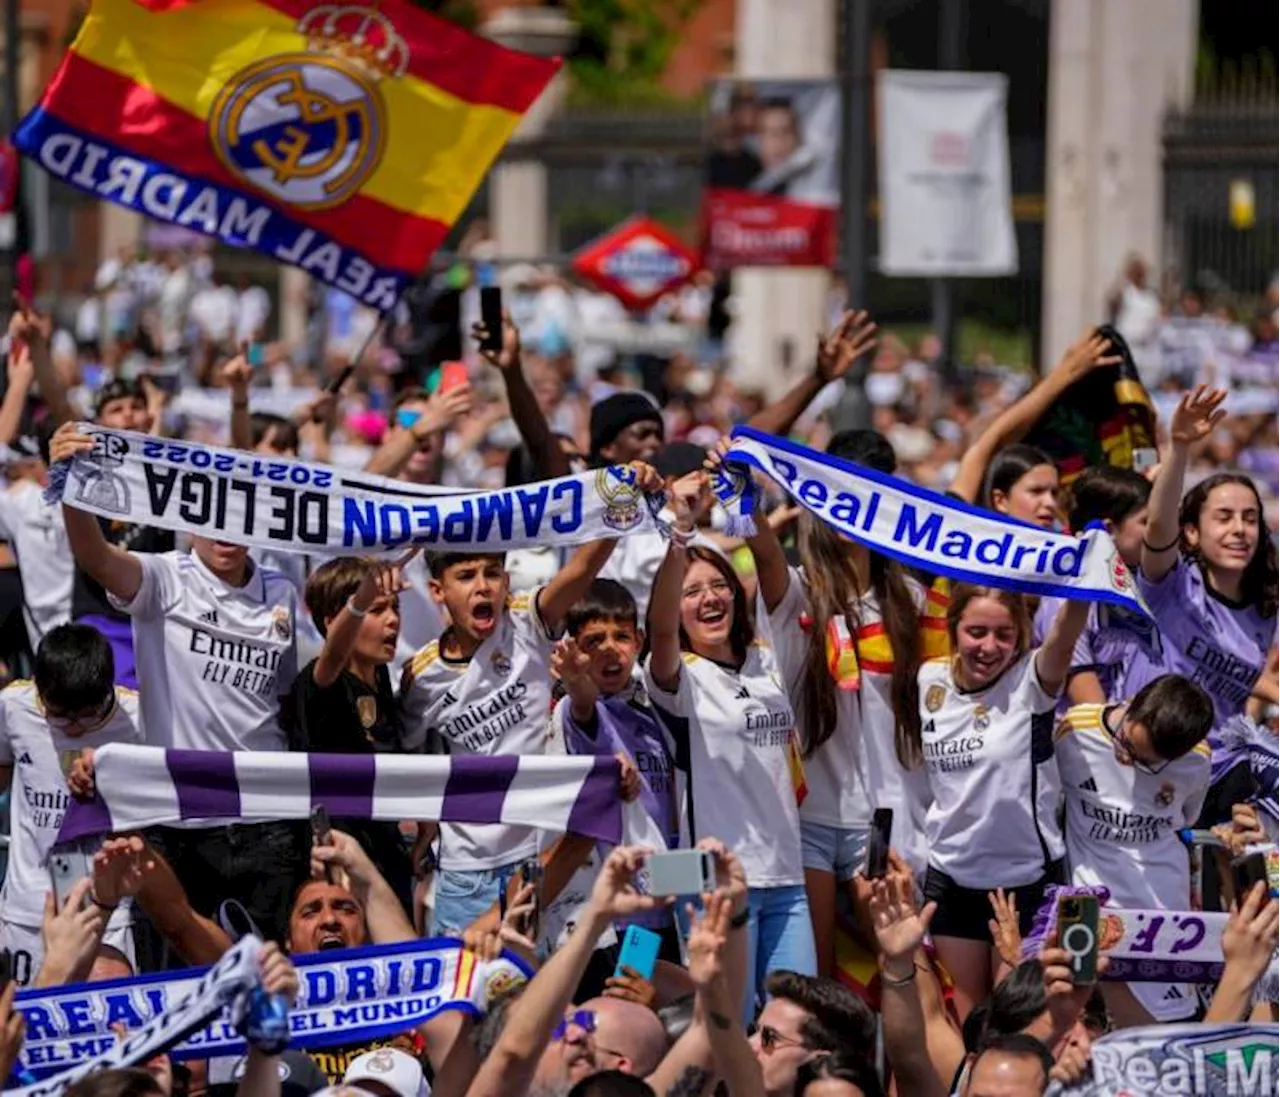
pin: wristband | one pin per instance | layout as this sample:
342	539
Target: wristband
887	980
740	919
108	908
1161	548
682	538
351	608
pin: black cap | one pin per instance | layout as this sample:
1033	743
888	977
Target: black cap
612	415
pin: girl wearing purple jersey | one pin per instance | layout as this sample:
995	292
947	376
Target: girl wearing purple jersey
1208	568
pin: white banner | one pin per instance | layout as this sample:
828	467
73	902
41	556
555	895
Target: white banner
944	174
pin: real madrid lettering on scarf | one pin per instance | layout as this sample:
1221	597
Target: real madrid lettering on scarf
300	507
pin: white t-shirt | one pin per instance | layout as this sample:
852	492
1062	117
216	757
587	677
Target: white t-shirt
213	659
497	702
38	534
421	620
1122	822
857	769
736	726
988	756
41	756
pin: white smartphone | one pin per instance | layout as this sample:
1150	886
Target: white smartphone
682	872
66	869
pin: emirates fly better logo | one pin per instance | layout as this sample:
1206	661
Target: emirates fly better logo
637	262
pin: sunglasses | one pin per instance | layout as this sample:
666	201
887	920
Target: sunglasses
771	1039
584	1019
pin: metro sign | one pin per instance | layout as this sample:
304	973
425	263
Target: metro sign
637	262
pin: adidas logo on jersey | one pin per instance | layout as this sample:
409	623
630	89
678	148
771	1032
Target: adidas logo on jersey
25	760
1173	994
742	694
209	618
1090	785
449	698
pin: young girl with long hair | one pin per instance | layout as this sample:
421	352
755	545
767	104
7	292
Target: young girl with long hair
715	685
849	634
1208	570
987	718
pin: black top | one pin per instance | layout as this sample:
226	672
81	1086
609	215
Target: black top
348	717
88	599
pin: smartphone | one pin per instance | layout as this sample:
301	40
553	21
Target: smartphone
682	872
1247	871
320	834
340	379
878	843
530	872
1078	935
256	356
453	375
491	317
66	869
640	948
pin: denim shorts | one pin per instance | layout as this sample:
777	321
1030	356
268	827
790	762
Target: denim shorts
838	850
463	895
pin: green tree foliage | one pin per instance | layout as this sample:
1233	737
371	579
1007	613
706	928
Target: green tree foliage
625	46
462	12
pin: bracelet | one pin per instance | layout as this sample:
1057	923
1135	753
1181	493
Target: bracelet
740	919
100	904
682	538
1161	548
351	608
887	980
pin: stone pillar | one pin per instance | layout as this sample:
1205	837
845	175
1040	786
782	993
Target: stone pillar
1115	66
773	308
518	214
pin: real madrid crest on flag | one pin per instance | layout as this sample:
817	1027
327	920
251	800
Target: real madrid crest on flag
344	139
616	486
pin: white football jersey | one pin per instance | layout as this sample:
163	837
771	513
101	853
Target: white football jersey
988	756
735	728
213	659
36	531
1122	822
41	757
497	702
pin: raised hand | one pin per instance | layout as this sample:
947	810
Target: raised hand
1004	926
21	369
384	580
1197	414
1249	938
346	853
708	935
442	409
1064	1000
684	497
731	877
613	895
648	479
849	340
508	355
13	1027
67	442
28	326
237	374
279	976
1089	352
120	868
70	935
631	986
628	779
571	665
899	927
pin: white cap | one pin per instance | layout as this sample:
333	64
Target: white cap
397	1070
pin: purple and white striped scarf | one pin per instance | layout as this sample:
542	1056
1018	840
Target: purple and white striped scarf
149	786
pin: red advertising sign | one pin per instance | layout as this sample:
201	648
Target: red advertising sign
757	230
637	262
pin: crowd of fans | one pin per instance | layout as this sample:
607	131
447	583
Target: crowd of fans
994	725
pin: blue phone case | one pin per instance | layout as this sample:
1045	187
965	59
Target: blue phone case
640	948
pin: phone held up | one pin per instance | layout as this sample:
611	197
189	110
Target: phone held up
878	843
320	829
639	952
528	872
491	317
682	872
1078	936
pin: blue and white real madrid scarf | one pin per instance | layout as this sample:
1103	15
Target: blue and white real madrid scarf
352	996
923	529
294	506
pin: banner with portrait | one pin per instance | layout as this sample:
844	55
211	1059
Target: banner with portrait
772	174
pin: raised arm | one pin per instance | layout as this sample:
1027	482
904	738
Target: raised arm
237	374
771	563
1087	354
442	409
388	924
543	446
1248	946
29	327
117	570
668	584
261	1076
1194	419
848	341
21	374
1053	660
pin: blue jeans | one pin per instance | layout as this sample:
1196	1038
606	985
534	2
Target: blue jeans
779	938
463	895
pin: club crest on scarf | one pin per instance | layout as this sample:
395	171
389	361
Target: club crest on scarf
309	129
102	485
617	488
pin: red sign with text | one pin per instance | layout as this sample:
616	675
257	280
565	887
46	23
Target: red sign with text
742	229
637	262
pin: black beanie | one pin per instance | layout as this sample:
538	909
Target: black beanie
612	415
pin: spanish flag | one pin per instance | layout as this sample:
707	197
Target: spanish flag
344	139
